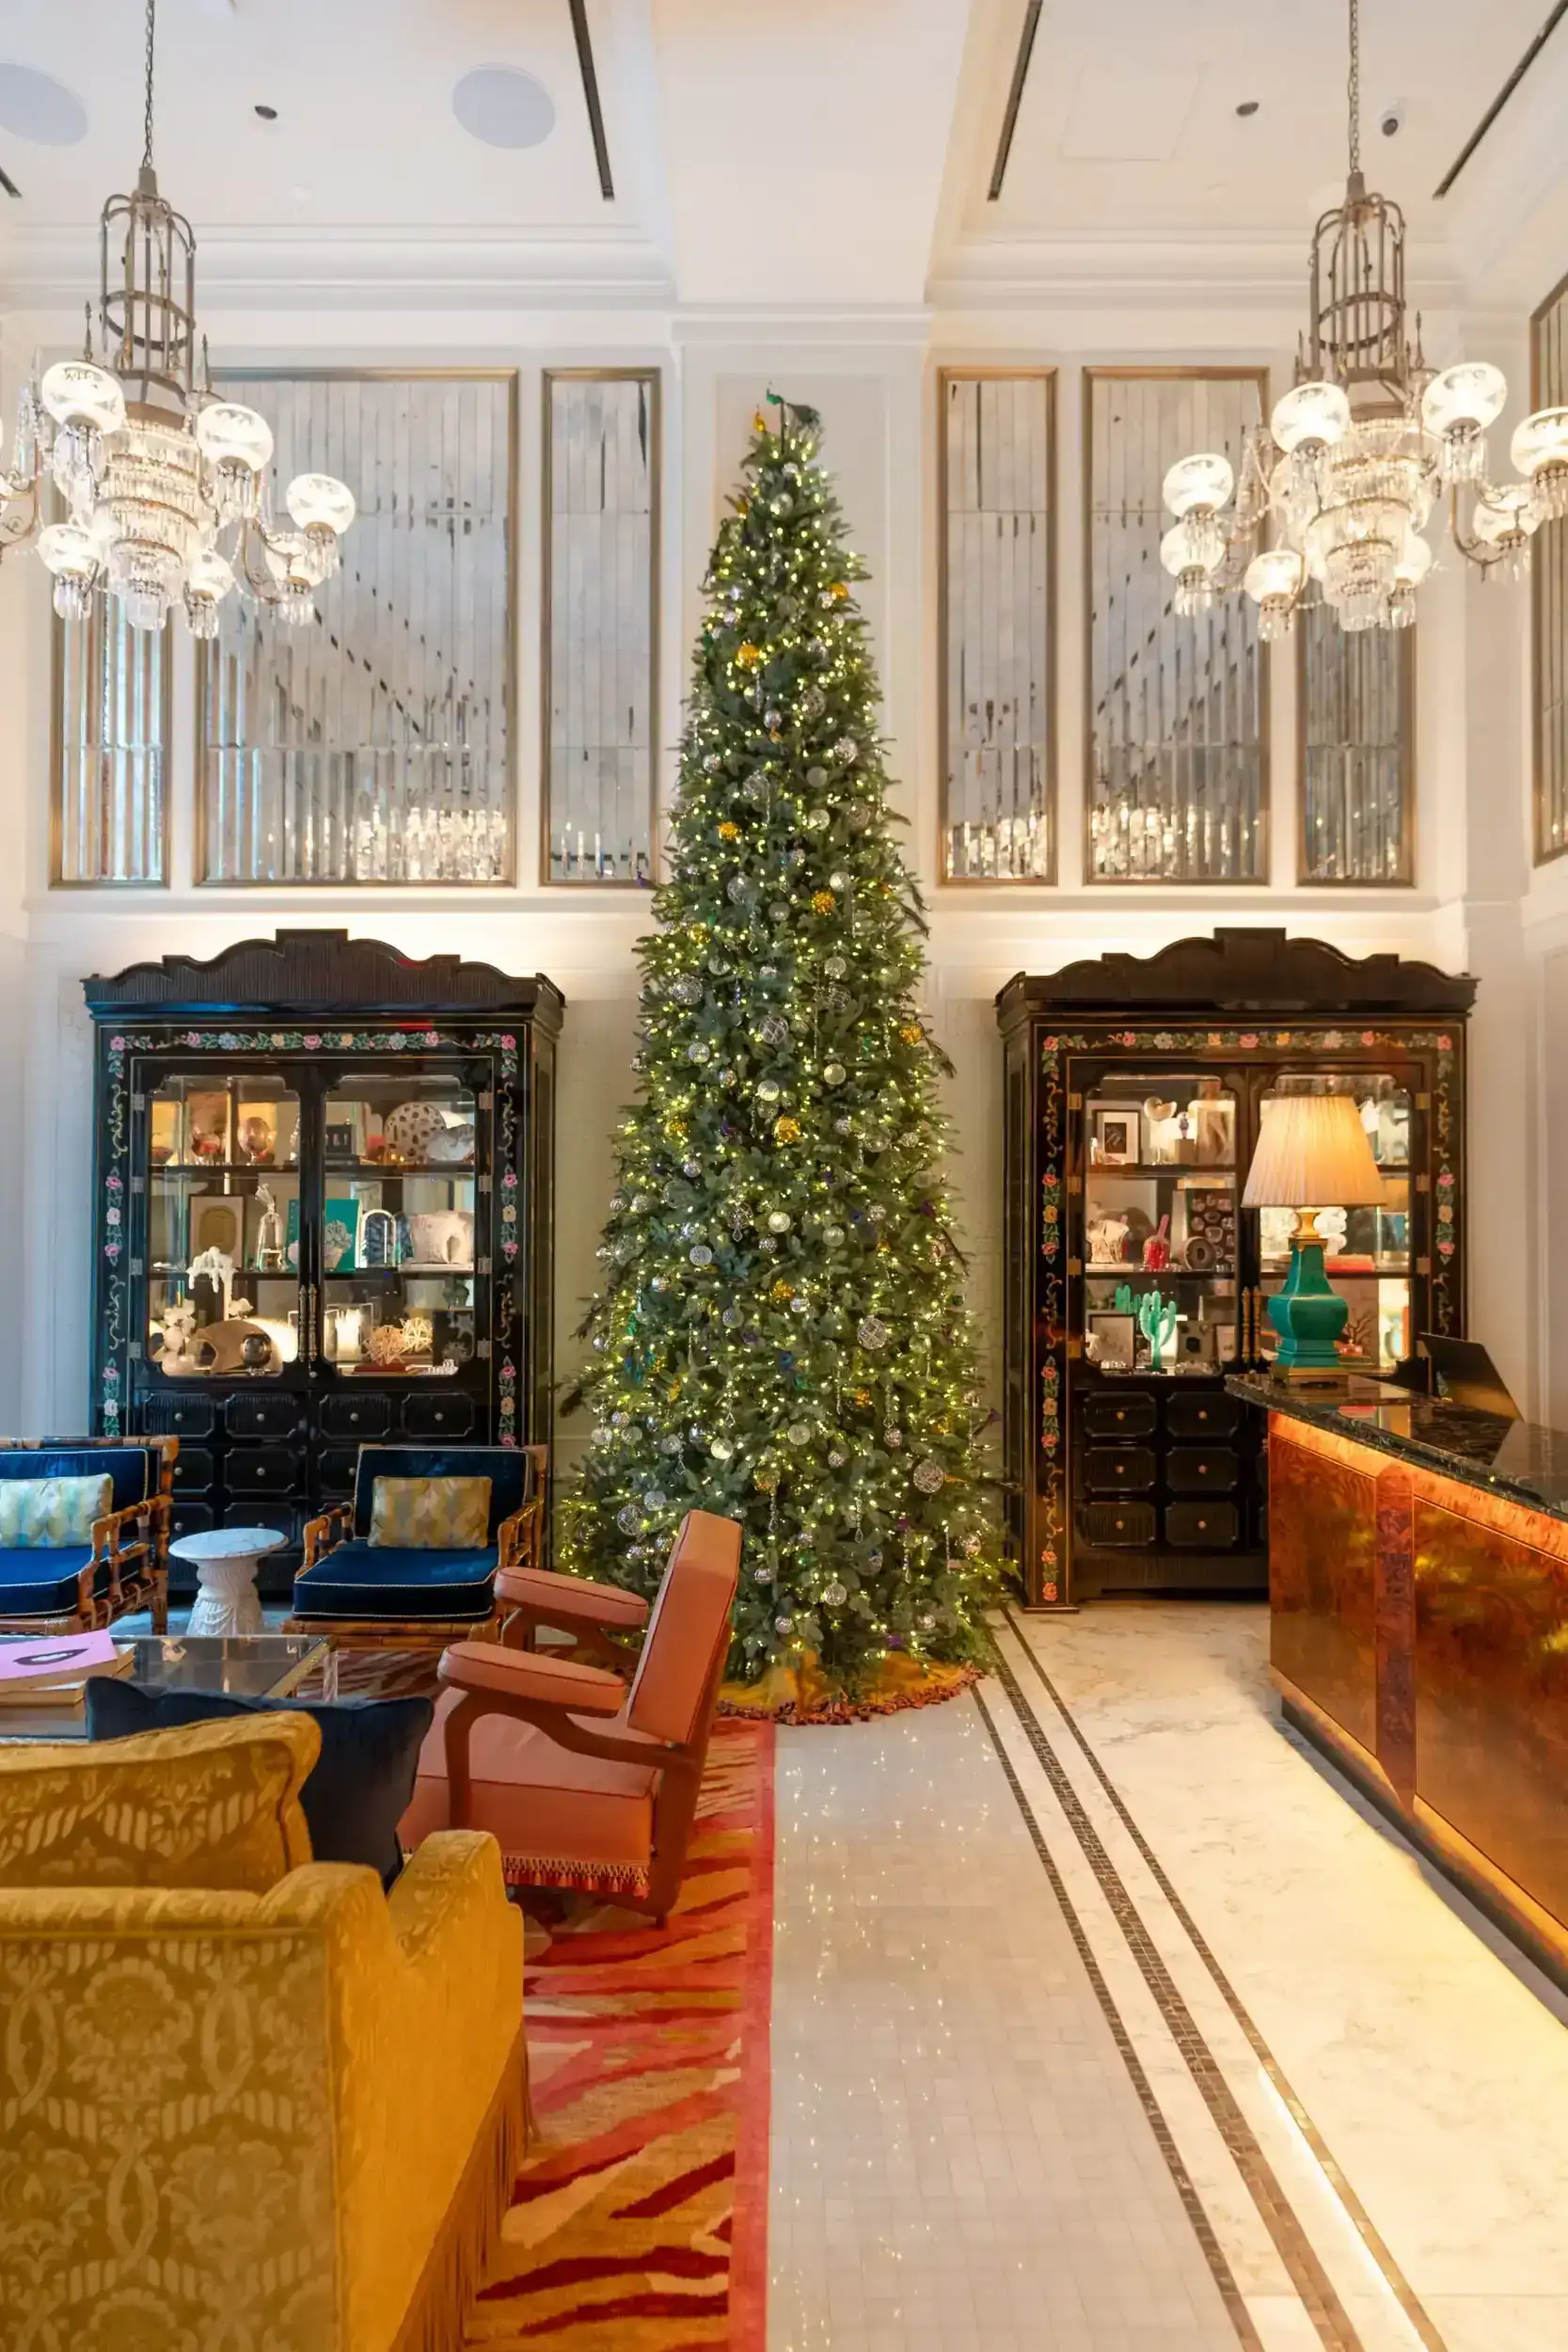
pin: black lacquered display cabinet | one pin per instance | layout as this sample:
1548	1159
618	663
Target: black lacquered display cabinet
323	1215
1135	1280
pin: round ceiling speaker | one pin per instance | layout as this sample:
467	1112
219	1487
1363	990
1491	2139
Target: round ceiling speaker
504	107
35	106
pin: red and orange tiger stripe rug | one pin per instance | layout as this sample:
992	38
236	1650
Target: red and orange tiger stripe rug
640	2218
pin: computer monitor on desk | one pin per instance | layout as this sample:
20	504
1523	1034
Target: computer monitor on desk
1466	1375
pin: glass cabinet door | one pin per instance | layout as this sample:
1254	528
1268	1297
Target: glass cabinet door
402	1243
1159	1221
1368	1252
222	1242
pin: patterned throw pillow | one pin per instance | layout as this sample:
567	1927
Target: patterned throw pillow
429	1514
43	1514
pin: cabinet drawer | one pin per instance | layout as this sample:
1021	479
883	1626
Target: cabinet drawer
273	1470
192	1468
179	1415
1117	1526
1118	1470
335	1468
1202	1526
189	1518
262	1416
1118	1416
1206	1416
361	1414
437	1416
1202	1470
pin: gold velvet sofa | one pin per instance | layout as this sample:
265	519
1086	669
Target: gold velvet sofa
280	2108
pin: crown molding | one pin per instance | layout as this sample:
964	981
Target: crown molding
358	268
1114	269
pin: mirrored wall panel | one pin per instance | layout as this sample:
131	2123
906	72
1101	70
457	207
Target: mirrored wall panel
1355	696
601	624
1175	785
998	625
112	699
374	745
1549	596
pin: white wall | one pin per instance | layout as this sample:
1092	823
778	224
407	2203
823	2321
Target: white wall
873	380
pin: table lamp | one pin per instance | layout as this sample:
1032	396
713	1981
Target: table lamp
1312	1152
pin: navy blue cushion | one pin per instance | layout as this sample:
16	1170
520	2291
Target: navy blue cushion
129	1469
510	1473
376	1581
361	1785
43	1583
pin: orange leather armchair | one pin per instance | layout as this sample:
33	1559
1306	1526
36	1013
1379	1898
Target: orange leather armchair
586	1779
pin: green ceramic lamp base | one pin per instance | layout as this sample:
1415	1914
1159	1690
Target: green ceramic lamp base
1309	1313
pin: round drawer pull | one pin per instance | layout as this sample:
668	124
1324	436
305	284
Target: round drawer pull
1202	1524
1121	1524
354	1415
1203	1469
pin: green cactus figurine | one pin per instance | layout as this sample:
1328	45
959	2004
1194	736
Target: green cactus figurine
1122	1302
1157	1322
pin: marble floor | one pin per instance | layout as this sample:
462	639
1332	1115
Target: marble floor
1105	2016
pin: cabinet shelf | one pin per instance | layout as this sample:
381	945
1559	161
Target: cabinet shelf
223	1167
1200	1169
388	1170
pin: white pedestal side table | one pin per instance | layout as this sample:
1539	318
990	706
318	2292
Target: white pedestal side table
225	1560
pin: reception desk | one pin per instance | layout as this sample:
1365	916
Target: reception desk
1418	1627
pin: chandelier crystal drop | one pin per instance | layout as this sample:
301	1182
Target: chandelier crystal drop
164	482
1344	476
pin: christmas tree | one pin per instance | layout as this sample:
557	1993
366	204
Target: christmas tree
781	1335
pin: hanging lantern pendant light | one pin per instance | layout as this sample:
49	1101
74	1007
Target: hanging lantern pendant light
165	483
1356	453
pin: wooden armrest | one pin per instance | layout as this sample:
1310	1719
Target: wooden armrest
318	1531
513	1535
508	1674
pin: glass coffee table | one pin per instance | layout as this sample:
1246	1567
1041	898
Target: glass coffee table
250	1666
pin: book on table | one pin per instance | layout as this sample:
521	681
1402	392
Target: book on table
54	1669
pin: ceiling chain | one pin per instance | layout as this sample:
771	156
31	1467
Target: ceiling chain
147	118
1352	89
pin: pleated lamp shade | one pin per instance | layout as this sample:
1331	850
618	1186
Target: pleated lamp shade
1312	1154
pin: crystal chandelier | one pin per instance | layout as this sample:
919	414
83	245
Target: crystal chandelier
1358	452
165	484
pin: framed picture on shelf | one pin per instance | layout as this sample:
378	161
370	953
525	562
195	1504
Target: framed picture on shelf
1109	1338
1115	1137
256	1134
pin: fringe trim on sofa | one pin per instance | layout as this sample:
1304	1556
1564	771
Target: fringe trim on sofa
454	2269
589	1877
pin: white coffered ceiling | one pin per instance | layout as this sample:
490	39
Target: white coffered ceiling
825	154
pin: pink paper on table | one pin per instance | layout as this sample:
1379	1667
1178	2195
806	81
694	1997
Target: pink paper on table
56	1656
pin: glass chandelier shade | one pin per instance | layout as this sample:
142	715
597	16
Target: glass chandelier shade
1355	456
165	483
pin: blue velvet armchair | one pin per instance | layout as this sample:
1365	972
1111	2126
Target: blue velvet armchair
82	1587
374	1596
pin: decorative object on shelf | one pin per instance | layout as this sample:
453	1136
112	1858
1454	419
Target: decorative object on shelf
419	1335
343	1334
338	1139
378	1238
164	482
410	1129
269	1232
1107	1241
1214	1117
1156	1251
340	1235
1109	1338
1198	1254
1116	1137
1210	1212
222	1347
441	1237
176	1327
451	1147
1310	1148
217	1266
1157	1321
1356	455
387	1343
255	1133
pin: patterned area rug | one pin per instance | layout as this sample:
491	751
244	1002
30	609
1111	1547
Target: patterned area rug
639	2217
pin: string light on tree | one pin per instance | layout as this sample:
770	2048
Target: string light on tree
781	1333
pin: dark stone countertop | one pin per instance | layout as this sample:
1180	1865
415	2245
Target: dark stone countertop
1519	1460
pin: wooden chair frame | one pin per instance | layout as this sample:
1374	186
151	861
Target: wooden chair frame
679	1767
519	1544
138	1570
